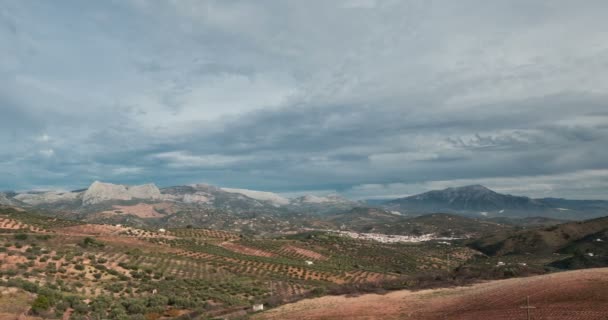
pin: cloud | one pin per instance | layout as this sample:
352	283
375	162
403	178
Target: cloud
127	170
181	159
302	96
586	184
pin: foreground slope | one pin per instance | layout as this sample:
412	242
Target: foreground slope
568	295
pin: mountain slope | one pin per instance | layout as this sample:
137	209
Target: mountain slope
6	198
469	198
322	205
479	200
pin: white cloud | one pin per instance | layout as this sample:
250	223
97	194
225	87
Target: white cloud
183	159
44	138
47	152
127	170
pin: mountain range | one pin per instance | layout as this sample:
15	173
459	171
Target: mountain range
250	210
105	193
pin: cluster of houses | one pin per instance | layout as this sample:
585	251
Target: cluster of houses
502	264
385	238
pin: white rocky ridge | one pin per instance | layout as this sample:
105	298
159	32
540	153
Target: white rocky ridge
332	198
100	192
39	198
273	198
197	198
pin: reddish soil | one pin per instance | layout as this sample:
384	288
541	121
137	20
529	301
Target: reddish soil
246	250
304	252
135	242
574	295
91	229
9	262
141	210
11	224
110	231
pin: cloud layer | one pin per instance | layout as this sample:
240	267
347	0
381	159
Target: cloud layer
365	98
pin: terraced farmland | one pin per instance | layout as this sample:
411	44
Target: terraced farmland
10	224
160	273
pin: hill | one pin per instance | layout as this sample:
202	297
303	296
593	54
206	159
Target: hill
543	240
563	296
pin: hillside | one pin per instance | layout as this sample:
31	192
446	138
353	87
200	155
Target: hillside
543	240
563	296
156	273
133	272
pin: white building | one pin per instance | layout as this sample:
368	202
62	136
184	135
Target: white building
258	307
309	263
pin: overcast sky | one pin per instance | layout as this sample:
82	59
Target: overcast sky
364	98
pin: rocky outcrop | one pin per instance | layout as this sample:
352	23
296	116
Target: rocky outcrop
144	191
100	192
197	198
273	198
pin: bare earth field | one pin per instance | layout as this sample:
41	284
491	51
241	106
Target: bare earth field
141	210
569	295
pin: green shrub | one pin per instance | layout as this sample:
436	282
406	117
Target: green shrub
81	307
91	242
41	304
136	308
21	236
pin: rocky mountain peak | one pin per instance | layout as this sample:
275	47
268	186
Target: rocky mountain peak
100	192
472	188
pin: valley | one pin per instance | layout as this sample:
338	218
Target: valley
120	252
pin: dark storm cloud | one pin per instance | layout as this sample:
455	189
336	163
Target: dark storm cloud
367	98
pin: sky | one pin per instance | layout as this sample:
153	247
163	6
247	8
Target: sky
368	99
